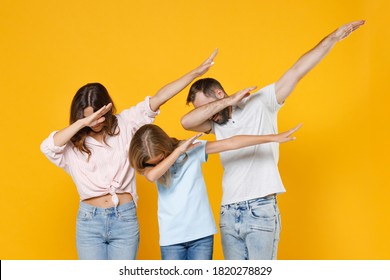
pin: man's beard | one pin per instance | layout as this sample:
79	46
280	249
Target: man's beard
222	117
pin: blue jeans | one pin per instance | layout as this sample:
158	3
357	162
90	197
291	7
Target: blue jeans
199	249
250	230
107	233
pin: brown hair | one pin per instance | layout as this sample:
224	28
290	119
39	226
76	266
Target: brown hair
148	142
93	95
206	85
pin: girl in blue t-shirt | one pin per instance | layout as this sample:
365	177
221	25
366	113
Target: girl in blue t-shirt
186	222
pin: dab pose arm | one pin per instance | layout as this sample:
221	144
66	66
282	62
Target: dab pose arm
153	173
173	88
286	84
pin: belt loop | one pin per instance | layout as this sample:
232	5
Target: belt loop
94	212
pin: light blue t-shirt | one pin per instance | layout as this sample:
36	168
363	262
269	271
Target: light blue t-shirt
184	212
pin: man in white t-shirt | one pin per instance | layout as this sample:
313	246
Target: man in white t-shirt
250	219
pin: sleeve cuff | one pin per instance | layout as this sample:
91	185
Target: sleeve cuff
52	146
148	110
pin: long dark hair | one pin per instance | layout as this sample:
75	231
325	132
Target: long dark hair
93	95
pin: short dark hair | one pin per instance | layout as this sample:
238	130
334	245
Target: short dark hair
206	85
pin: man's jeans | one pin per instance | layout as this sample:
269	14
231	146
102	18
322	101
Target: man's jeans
250	229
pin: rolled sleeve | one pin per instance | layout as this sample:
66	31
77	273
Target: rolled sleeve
139	114
148	110
54	153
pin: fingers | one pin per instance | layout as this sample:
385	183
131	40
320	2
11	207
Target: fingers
345	30
358	23
251	88
246	91
286	135
213	55
209	61
351	27
193	138
240	95
190	141
100	120
107	108
102	111
289	139
295	128
355	24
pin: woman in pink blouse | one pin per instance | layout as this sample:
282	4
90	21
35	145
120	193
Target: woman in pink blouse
93	150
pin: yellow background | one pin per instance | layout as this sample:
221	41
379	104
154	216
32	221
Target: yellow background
335	173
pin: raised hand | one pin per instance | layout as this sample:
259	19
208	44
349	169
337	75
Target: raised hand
345	30
285	136
170	90
189	144
98	116
205	66
235	98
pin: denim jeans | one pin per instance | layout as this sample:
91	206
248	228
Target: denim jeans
199	249
250	230
107	233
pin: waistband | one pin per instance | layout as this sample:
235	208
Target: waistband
247	203
114	209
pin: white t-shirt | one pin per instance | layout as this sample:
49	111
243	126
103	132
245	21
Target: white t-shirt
251	172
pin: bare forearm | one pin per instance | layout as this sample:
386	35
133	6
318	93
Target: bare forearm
171	89
286	84
64	135
199	117
155	173
238	142
310	59
314	56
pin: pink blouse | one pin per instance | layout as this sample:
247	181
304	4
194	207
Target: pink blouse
108	169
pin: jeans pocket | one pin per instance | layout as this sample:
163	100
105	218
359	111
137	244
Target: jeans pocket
266	211
128	215
84	215
222	216
222	210
263	217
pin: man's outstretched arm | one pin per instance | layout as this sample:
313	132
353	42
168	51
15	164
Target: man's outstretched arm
286	84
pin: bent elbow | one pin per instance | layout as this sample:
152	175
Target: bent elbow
185	123
150	178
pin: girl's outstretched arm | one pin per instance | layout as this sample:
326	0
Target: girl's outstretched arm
242	141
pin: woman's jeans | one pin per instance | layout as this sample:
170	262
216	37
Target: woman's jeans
199	249
250	229
107	233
